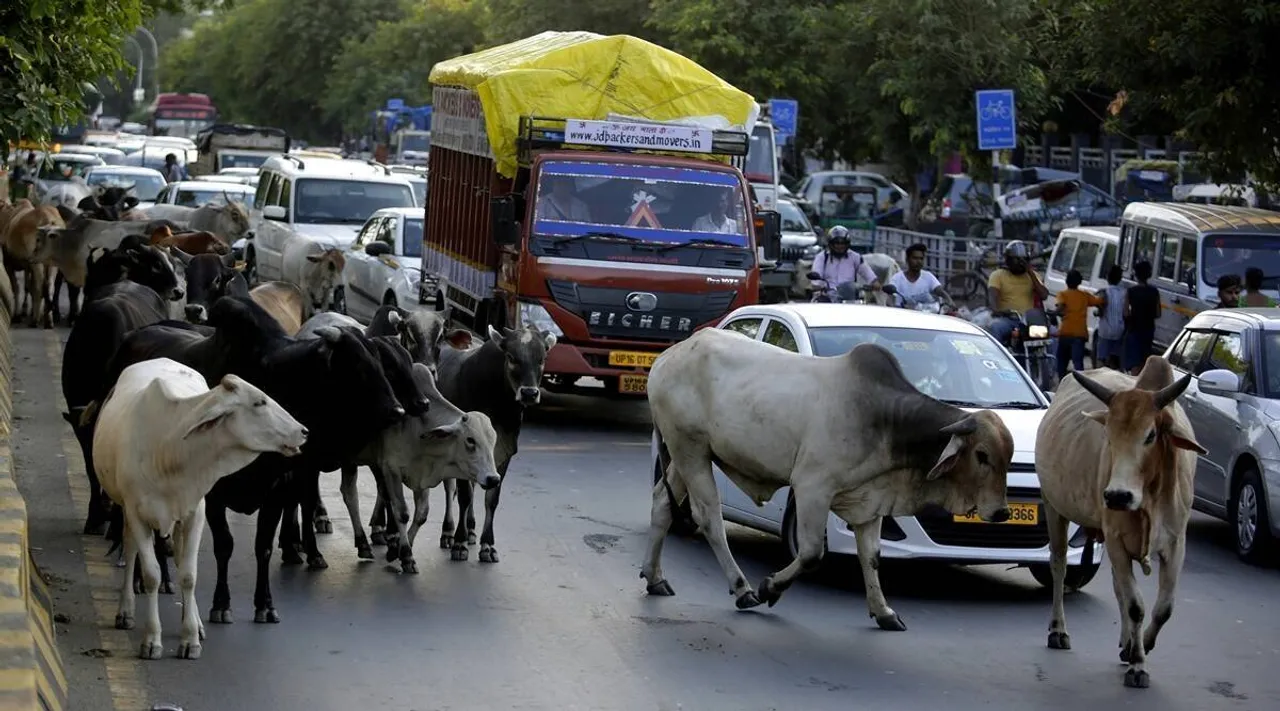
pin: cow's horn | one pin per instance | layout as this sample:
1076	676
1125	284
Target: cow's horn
1170	392
1095	388
966	425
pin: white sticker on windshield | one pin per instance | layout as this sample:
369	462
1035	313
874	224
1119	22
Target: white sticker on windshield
990	365
966	348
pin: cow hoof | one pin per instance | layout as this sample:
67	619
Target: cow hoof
891	623
378	538
747	600
471	538
124	621
220	617
767	592
458	552
364	552
166	587
317	562
1137	679
446	542
189	650
393	551
1059	640
661	588
409	567
323	525
290	557
267	615
489	555
150	650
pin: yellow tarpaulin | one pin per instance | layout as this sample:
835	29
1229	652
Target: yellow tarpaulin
584	75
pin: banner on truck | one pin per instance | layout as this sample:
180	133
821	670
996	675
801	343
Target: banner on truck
617	134
458	121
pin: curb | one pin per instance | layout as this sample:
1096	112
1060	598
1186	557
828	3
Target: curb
31	672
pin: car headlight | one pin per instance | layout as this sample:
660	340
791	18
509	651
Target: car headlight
1037	332
812	251
536	316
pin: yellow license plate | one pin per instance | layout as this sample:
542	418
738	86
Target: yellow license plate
632	359
1019	515
633	383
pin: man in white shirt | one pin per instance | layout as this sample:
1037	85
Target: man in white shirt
562	205
917	284
718	219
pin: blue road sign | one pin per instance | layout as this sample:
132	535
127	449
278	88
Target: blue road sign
395	104
997	120
784	113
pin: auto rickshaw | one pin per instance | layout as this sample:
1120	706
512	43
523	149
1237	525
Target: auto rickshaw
853	206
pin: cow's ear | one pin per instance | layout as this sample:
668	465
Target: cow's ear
549	339
494	335
950	456
209	419
1185	440
442	432
1099	416
459	339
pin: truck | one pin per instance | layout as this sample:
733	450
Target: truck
401	134
762	161
556	201
184	115
237	145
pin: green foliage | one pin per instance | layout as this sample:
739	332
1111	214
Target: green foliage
510	20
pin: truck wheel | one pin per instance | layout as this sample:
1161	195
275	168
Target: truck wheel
1078	576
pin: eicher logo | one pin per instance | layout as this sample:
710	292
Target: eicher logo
676	324
641	301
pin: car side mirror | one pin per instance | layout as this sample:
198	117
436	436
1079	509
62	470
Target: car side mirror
1219	381
895	198
275	212
769	233
377	249
503	223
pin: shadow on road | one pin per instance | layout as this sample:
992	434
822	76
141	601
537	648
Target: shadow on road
598	414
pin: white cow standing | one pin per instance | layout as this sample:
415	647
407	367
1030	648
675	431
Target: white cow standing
163	439
315	267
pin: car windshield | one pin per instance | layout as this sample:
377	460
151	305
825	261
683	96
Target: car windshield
57	169
145	187
793	219
955	367
640	202
419	191
193	197
1232	254
413	237
241	160
760	156
346	202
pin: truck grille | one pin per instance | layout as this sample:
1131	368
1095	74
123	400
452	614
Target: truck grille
672	318
943	530
791	254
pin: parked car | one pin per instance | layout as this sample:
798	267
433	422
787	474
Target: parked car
1233	403
808	193
1092	252
384	264
946	358
800	244
147	182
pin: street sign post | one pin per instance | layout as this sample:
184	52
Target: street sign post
784	113
997	131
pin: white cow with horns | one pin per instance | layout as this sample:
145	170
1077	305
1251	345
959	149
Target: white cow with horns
163	439
859	440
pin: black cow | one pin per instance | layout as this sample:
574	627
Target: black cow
500	378
209	278
334	385
108	203
125	289
422	333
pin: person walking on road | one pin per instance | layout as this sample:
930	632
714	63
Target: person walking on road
172	171
1110	345
1073	332
1141	309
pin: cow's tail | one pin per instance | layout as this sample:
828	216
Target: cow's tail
1090	538
115	529
664	464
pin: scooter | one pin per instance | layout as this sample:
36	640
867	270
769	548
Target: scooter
928	305
823	293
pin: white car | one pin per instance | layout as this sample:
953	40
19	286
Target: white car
194	193
384	263
147	182
248	175
948	359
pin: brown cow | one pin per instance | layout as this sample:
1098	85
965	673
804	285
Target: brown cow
192	243
285	302
27	248
1128	471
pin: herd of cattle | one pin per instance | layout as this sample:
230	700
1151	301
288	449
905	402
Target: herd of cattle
191	394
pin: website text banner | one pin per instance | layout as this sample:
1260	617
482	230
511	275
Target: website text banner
457	121
654	137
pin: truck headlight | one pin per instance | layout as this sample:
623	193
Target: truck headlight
534	315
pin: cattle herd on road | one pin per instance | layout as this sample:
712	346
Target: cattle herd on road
192	394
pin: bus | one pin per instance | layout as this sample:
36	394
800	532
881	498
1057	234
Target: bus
184	115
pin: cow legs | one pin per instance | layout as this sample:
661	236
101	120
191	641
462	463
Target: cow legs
867	536
1057	524
1131	614
223	545
446	530
73	301
320	520
1170	568
378	519
290	534
128	601
56	306
488	553
421	505
143	543
660	517
268	518
162	559
98	516
351	497
465	502
812	510
186	548
309	483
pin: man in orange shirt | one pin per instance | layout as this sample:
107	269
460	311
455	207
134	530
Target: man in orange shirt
1073	330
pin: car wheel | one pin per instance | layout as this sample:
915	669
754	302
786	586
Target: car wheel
682	523
1078	576
789	539
1250	519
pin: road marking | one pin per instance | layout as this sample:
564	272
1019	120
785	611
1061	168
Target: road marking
126	679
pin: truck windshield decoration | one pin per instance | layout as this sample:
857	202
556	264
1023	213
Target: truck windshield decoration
653	204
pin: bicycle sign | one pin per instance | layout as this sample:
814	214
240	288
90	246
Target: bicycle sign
997	120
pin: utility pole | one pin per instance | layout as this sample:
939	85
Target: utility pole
155	61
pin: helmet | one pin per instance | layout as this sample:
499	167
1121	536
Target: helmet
1017	248
839	233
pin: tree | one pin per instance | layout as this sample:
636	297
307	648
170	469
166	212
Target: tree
396	59
1208	64
510	20
47	52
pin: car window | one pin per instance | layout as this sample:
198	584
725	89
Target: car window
1108	260
1168	256
1145	246
1086	255
1062	258
1228	352
1189	350
1187	260
264	186
388	232
273	195
779	335
366	233
749	327
286	192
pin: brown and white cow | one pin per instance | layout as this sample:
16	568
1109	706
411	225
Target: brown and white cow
1125	469
285	302
25	238
849	435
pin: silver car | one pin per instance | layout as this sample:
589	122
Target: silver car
1233	403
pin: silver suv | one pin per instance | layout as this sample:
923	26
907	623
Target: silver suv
1234	405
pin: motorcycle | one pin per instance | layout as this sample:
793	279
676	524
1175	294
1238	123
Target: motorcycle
927	305
1030	344
825	294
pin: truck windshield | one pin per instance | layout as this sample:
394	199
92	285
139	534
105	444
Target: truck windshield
656	204
761	156
1232	254
415	142
228	159
346	202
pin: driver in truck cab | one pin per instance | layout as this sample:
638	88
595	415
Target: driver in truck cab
1012	291
562	205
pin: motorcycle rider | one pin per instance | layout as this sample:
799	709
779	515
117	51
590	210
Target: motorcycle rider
838	266
918	284
1012	290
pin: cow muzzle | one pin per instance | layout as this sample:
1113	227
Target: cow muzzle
529	396
489	481
176	294
1120	500
1000	516
197	313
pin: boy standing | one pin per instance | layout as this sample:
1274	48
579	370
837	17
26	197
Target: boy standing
1073	331
1111	321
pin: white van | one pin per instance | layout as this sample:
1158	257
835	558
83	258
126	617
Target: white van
321	199
1090	251
1189	247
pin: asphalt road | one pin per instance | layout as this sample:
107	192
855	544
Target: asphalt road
563	622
